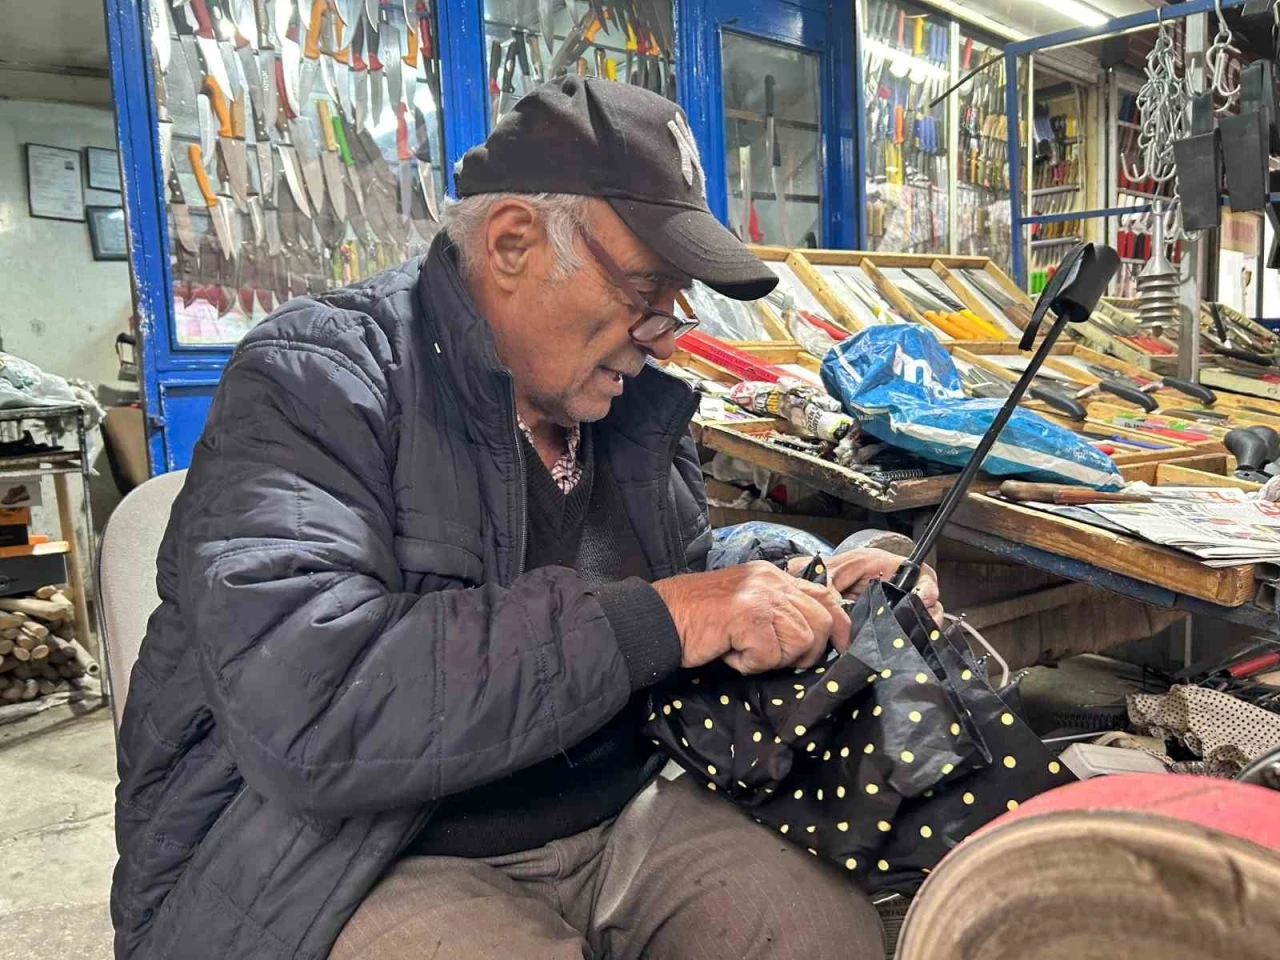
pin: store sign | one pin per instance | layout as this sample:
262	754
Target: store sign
1241	232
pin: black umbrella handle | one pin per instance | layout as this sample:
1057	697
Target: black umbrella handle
909	572
1072	294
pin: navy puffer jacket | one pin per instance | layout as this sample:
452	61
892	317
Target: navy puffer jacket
345	633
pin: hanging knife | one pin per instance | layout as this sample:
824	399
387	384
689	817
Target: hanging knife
390	53
236	155
265	76
311	49
348	161
426	173
303	136
290	62
182	228
359	74
744	181
217	215
405	156
495	92
547	23
373	58
775	151
330	162
508	78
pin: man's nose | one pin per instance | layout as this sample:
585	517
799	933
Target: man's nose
662	348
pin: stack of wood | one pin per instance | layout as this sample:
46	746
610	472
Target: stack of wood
40	654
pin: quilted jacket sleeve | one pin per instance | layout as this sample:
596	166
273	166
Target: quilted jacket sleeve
334	688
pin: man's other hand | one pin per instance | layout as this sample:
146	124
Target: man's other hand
754	616
851	571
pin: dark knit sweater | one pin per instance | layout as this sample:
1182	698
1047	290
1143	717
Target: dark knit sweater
587	530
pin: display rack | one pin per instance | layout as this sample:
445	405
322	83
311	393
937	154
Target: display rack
15	577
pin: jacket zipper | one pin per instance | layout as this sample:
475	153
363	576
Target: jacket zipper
522	511
674	536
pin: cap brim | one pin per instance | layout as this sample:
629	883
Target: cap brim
696	243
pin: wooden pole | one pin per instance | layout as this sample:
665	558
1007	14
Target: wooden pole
84	630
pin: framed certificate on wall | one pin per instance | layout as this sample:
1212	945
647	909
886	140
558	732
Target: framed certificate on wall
102	168
107	234
54	188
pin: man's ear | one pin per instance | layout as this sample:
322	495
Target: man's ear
513	239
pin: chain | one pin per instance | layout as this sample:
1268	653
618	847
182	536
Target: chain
1162	103
1217	61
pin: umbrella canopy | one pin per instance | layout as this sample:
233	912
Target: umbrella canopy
884	757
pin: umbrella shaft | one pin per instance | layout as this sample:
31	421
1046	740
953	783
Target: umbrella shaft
909	572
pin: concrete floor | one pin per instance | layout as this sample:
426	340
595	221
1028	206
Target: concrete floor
57	846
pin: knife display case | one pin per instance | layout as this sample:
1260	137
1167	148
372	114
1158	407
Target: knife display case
907	65
527	43
984	226
773	141
301	149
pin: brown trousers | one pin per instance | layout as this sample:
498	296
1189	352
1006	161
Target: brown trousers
681	874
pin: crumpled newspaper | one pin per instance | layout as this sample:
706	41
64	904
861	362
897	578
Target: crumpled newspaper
1227	733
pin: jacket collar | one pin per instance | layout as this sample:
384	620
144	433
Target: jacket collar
654	408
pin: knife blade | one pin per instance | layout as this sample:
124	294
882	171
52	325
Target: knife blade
744	182
221	227
303	136
359	74
331	162
293	179
547	23
426	172
161	42
225	204
373	57
182	228
389	52
775	161
405	156
286	23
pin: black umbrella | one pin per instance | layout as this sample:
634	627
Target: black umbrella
886	756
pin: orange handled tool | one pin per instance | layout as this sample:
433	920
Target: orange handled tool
219	103
326	125
311	47
196	156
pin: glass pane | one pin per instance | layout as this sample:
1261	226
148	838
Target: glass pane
298	156
1059	172
773	139
527	43
906	57
984	225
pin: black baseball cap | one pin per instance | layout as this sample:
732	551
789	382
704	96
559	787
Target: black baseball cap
630	147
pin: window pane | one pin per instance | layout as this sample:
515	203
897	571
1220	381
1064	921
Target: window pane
282	187
527	43
773	139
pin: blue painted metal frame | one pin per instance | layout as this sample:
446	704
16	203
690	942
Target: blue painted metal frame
822	28
1013	94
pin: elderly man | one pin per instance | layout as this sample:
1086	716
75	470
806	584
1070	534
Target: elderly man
443	532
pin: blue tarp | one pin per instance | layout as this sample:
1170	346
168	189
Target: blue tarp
905	390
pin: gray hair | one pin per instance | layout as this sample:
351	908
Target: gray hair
562	214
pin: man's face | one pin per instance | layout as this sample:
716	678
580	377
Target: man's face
567	342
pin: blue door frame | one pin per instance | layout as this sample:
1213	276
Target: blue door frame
178	382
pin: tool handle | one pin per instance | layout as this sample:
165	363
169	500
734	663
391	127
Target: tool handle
1068	407
236	111
966	56
311	44
917	45
495	64
1247	668
403	152
283	98
204	24
196	156
1129	394
521	41
410	59
424	28
326	125
902	29
262	20
340	138
1196	390
219	103
1079	498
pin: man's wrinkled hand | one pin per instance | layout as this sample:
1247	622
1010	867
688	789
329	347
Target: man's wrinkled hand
754	616
850	572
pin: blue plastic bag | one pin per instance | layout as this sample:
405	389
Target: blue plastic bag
904	389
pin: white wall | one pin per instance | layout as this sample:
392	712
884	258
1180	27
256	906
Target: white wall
61	309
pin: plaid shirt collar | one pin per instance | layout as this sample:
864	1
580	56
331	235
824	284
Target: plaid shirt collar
567	470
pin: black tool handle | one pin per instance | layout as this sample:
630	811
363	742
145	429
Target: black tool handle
1196	390
1245	355
1130	394
1249	449
1069	407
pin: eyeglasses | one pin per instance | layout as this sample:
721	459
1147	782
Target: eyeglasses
654	324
